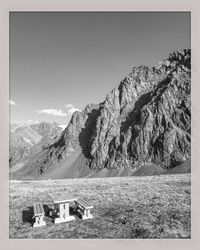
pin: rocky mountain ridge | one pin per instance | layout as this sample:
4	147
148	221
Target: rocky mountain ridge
145	121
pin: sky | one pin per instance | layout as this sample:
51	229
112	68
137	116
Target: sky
61	61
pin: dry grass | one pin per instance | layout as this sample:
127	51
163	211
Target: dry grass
124	207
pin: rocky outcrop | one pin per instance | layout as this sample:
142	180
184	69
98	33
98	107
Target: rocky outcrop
145	120
148	118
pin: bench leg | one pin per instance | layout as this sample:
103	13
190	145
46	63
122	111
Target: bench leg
39	222
87	214
63	214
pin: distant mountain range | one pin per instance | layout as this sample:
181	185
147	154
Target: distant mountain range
26	139
143	127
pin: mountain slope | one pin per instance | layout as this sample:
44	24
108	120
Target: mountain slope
144	122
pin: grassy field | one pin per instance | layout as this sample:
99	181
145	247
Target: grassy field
124	208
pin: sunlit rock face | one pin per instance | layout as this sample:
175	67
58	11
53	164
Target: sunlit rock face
147	118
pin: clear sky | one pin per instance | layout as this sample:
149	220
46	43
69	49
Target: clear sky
61	61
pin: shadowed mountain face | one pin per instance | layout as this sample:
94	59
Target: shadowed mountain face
143	123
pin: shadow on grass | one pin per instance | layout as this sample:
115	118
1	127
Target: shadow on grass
52	214
47	210
27	215
74	212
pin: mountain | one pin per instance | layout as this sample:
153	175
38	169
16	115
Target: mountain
27	139
143	126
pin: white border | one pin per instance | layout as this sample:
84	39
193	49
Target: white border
103	5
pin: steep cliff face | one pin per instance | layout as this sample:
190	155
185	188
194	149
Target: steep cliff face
148	118
145	120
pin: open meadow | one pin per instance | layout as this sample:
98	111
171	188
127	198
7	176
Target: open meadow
124	208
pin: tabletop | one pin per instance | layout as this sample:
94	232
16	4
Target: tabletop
61	198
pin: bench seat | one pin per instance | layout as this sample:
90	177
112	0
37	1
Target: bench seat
84	204
38	209
83	208
38	215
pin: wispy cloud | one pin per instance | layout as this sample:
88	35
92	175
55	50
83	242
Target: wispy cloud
12	103
55	112
68	106
71	109
32	121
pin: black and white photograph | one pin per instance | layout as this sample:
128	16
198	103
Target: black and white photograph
100	125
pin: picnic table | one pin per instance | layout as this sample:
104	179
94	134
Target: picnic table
61	206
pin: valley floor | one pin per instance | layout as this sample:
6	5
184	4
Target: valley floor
124	208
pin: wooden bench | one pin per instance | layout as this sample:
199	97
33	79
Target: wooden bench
83	208
38	215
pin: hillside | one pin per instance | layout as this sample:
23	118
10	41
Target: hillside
143	125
